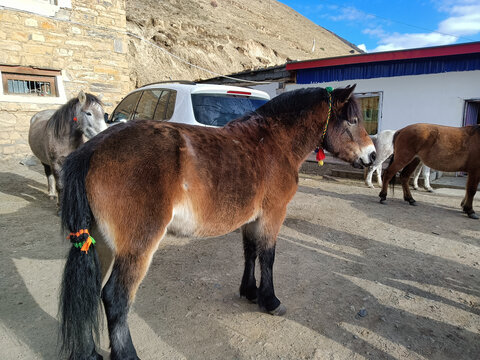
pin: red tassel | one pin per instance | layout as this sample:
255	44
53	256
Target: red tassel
320	156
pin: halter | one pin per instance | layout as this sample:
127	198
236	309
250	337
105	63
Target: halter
319	151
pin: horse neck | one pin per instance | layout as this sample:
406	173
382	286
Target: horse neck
304	136
295	140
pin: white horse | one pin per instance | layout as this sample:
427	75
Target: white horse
54	134
383	142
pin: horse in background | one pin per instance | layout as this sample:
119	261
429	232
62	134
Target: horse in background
425	171
54	134
383	142
443	148
191	181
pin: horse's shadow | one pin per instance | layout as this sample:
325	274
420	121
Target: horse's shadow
31	240
397	212
208	293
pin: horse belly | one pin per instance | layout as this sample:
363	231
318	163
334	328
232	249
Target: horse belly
184	222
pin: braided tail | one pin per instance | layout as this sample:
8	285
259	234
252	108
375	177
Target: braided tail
81	284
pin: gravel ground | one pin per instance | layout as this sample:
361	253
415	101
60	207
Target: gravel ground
360	280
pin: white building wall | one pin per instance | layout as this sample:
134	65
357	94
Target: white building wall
432	98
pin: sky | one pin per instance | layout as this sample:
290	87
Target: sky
376	25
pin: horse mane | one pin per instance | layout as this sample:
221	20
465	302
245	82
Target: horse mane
62	119
292	103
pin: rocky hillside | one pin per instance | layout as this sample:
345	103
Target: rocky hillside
224	36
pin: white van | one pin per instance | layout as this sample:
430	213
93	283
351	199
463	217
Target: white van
188	103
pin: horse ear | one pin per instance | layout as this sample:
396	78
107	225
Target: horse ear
82	98
100	97
342	95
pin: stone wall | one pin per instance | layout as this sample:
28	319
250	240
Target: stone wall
86	41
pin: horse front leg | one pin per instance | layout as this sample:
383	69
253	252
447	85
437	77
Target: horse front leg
259	241
57	174
471	190
368	178
266	294
50	181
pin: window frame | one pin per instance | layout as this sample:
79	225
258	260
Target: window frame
378	94
53	77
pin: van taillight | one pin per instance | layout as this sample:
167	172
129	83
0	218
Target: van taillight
234	92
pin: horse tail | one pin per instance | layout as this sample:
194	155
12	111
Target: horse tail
81	283
394	178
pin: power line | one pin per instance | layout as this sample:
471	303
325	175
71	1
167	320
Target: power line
400	22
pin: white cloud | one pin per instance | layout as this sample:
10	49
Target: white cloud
362	47
408	41
350	13
466	22
463	20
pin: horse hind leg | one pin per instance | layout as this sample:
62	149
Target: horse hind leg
50	181
129	269
426	178
405	177
471	189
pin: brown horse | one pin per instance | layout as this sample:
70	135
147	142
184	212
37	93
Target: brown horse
442	148
136	180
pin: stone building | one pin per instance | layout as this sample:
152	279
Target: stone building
52	49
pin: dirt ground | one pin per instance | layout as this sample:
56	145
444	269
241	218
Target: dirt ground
412	272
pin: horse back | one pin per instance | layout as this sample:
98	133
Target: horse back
440	147
197	181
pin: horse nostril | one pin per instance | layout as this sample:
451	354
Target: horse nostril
373	156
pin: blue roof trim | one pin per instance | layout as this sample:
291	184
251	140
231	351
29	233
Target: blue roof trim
435	65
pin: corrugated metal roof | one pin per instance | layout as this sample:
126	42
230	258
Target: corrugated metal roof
430	52
434	65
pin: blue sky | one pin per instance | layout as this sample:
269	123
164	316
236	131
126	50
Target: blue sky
376	25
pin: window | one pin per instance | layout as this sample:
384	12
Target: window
40	7
218	110
166	105
370	105
146	105
471	113
124	110
19	80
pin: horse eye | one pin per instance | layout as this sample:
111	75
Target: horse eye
88	113
353	121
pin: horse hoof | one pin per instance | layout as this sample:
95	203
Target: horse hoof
412	202
472	215
382	201
52	197
430	190
279	311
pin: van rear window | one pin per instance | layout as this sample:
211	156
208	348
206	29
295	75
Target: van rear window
218	109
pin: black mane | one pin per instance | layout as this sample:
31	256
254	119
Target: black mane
63	117
293	102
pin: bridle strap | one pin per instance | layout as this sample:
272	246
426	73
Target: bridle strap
329	93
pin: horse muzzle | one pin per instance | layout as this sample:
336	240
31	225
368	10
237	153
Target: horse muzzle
366	159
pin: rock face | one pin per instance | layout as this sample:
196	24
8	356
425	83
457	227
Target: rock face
223	36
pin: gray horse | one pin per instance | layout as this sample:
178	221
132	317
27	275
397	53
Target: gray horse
54	134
